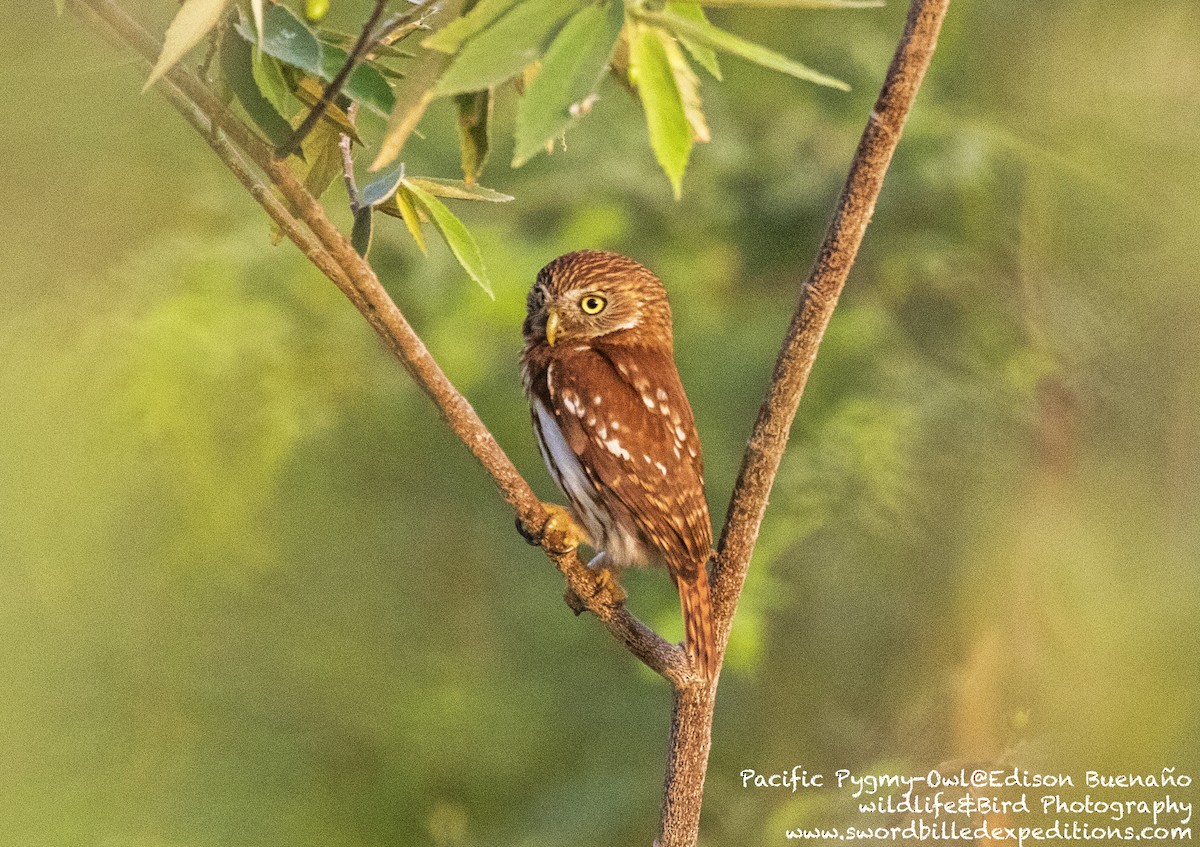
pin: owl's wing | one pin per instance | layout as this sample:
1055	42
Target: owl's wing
623	412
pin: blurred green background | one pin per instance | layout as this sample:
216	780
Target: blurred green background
253	593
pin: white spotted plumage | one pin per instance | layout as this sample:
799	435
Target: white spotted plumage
614	425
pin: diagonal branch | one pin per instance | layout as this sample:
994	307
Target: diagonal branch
333	254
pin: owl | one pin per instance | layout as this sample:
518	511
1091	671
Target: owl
616	429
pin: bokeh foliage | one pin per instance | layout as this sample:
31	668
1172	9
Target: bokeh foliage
255	594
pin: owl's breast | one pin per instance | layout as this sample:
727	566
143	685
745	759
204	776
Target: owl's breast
607	531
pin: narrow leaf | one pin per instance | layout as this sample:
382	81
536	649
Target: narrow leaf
381	188
256	11
571	70
382	51
401	205
504	48
322	156
320	163
708	34
268	76
365	84
287	38
410	108
702	53
689	90
363	229
474	131
58	6
194	20
450	37
309	90
456	235
458	190
670	132
237	67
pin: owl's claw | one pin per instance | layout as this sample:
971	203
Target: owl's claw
530	536
606	581
560	532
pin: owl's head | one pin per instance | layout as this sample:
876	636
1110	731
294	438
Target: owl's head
588	294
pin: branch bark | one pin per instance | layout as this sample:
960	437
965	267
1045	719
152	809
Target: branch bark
692	711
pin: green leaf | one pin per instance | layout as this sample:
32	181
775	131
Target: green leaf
571	70
58	6
194	20
474	131
256	12
320	163
365	84
322	156
670	132
237	68
689	90
363	229
268	76
450	37
381	188
287	38
390	73
503	49
708	34
401	206
346	41
456	189
704	55
456	235
309	89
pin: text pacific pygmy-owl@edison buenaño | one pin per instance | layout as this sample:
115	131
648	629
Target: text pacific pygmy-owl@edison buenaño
615	427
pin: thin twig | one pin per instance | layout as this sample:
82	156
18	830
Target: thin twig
335	86
401	25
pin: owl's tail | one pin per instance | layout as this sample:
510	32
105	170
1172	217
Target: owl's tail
699	637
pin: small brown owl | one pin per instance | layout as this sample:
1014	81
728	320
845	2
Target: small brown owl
615	427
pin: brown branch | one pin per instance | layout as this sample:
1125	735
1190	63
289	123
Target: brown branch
334	255
335	85
692	712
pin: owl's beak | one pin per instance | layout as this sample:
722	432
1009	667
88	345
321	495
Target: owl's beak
552	323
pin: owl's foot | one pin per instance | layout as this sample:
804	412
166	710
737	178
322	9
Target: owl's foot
606	581
560	533
606	584
606	577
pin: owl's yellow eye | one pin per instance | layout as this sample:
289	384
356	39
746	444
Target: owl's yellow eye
593	304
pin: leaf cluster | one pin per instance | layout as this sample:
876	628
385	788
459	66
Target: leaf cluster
302	86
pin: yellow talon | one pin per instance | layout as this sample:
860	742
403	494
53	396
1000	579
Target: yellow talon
606	581
560	532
